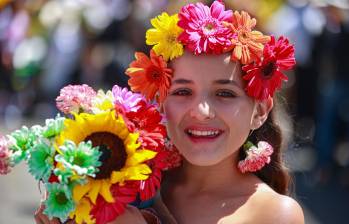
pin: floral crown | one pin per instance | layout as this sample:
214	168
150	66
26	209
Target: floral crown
211	30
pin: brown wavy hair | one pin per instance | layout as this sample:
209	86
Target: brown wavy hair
275	174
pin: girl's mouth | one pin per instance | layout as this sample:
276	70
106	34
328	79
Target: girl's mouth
203	135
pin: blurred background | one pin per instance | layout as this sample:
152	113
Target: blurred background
47	44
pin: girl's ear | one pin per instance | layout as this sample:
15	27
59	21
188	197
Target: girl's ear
261	112
161	108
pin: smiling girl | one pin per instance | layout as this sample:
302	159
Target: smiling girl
214	78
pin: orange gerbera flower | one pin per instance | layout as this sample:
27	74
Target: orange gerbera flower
149	75
248	44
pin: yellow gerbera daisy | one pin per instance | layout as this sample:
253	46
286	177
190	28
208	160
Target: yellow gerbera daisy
103	102
121	159
164	36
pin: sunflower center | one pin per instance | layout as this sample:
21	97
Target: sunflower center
113	156
269	69
61	198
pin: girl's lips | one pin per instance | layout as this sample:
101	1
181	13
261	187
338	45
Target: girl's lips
203	134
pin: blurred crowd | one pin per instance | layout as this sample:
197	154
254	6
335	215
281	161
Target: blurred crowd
47	44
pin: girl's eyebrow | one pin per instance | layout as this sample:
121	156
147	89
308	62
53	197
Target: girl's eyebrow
182	81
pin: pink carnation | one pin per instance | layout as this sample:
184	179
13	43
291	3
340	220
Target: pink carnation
5	154
256	157
203	27
74	98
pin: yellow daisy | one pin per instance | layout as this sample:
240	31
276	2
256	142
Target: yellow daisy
164	36
121	157
103	102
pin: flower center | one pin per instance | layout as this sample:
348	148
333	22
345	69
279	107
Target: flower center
269	69
79	160
209	27
171	39
61	198
243	36
154	74
113	156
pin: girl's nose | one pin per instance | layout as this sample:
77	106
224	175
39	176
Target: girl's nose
202	112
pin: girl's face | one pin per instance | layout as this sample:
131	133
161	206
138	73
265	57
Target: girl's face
208	112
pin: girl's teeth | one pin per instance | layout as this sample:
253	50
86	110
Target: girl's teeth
203	133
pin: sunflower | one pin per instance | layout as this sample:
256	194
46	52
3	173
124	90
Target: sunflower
121	157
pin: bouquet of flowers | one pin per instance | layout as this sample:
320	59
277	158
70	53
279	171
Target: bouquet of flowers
107	151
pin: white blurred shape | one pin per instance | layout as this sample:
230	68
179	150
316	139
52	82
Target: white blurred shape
97	15
314	21
13	117
51	13
121	9
342	154
29	50
67	37
298	3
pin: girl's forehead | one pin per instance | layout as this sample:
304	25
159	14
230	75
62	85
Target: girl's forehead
208	67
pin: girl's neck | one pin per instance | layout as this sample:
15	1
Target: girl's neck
211	179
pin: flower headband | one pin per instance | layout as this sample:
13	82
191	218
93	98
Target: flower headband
211	30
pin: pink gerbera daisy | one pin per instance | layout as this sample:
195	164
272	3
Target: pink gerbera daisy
126	101
203	27
265	76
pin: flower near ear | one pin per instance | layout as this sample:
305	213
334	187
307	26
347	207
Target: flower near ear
204	31
75	98
164	36
256	157
149	76
247	44
265	77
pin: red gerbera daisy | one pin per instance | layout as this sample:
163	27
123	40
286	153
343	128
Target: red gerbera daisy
265	76
104	212
149	75
147	121
164	160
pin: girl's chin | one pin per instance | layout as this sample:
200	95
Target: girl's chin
201	160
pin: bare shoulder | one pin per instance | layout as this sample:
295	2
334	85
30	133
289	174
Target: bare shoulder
272	207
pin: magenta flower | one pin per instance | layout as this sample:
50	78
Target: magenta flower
75	98
5	155
256	157
203	27
126	101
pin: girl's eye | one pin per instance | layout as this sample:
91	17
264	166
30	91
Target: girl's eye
226	93
181	92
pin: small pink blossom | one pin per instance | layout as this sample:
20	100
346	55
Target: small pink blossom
256	157
125	100
74	98
203	27
5	155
